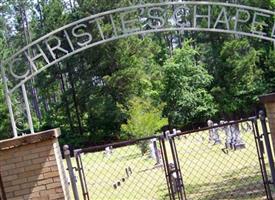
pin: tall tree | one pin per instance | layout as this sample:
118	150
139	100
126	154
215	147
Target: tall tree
186	88
240	81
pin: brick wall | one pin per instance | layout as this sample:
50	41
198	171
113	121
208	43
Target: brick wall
270	109
33	170
269	102
2	192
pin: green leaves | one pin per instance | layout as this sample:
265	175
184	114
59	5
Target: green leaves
136	69
242	79
144	119
5	129
185	92
270	70
84	95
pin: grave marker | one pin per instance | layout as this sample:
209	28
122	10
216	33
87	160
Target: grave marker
228	135
213	133
108	151
176	182
246	127
236	140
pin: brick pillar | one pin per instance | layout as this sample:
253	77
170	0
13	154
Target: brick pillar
269	102
31	167
2	192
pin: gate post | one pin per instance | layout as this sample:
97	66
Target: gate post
269	102
268	146
31	167
67	155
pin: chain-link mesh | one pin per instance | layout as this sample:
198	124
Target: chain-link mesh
219	163
124	173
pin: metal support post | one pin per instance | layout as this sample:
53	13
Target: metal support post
71	171
77	154
9	103
268	146
27	108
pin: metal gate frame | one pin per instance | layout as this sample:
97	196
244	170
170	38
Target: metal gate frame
264	145
260	152
79	169
81	173
173	175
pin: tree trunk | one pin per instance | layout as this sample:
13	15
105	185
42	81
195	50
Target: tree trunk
80	128
27	36
67	108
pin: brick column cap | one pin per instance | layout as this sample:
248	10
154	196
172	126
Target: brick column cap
268	98
29	139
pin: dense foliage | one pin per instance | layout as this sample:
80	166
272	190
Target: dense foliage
186	88
144	118
128	88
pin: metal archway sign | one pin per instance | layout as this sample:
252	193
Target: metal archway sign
123	22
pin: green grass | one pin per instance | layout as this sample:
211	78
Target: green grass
146	182
207	171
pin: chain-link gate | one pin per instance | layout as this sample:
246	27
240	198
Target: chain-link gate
224	162
261	155
120	171
172	168
264	147
228	161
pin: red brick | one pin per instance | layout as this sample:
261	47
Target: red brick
16	171
45	170
40	149
9	195
47	192
8	183
31	156
39	188
33	167
54	169
12	188
44	182
31	171
36	178
29	174
51	158
56	179
8	167
270	107
19	181
32	195
49	164
16	198
28	185
23	164
53	185
22	192
38	160
51	174
10	178
55	196
46	153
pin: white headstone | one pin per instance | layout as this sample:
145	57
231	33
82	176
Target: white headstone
152	149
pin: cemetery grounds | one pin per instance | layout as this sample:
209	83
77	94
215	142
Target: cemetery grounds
209	171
